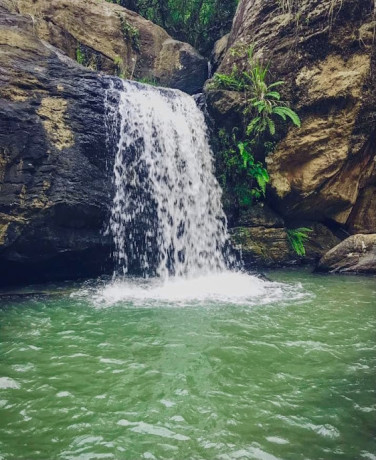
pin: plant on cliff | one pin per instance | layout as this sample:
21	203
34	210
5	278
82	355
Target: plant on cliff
297	237
262	102
263	108
239	171
130	33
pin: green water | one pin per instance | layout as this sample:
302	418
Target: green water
288	378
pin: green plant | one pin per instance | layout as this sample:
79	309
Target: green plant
80	56
297	237
240	175
254	169
119	67
263	103
149	81
130	33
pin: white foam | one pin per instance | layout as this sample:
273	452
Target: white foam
219	288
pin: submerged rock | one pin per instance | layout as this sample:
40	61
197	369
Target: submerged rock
54	171
356	254
105	36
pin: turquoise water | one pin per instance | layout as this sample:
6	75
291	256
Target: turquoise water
289	373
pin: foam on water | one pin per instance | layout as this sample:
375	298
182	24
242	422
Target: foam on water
228	287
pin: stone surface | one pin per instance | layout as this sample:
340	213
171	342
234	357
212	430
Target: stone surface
356	254
219	50
327	58
114	40
263	246
54	181
259	215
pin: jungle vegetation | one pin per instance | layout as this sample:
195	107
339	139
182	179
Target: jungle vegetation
198	22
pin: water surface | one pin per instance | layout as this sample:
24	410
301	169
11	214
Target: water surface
89	372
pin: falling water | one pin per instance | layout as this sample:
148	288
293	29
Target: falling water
166	216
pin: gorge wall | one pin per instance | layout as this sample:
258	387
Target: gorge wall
322	174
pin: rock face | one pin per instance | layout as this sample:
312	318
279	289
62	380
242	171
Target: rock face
54	181
263	242
325	53
105	36
356	254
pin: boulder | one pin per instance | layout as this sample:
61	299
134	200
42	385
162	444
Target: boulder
259	215
107	37
219	50
263	246
356	254
54	171
325	53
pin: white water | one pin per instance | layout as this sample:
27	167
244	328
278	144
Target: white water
167	217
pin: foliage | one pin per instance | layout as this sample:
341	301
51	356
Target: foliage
239	171
263	102
297	237
198	22
149	81
254	169
263	108
130	33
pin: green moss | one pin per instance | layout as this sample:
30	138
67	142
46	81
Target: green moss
130	33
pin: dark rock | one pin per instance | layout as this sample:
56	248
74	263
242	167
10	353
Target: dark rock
259	215
55	175
263	247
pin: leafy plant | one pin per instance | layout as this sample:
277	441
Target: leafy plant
263	102
254	169
242	178
297	237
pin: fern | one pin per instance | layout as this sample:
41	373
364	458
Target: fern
297	237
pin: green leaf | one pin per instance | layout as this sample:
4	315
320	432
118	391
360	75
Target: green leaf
289	113
253	125
277	83
271	126
274	94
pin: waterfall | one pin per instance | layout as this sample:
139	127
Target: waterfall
166	216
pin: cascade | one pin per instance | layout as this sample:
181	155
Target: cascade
166	217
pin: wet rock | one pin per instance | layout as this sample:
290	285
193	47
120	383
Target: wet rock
356	254
107	37
263	247
54	171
